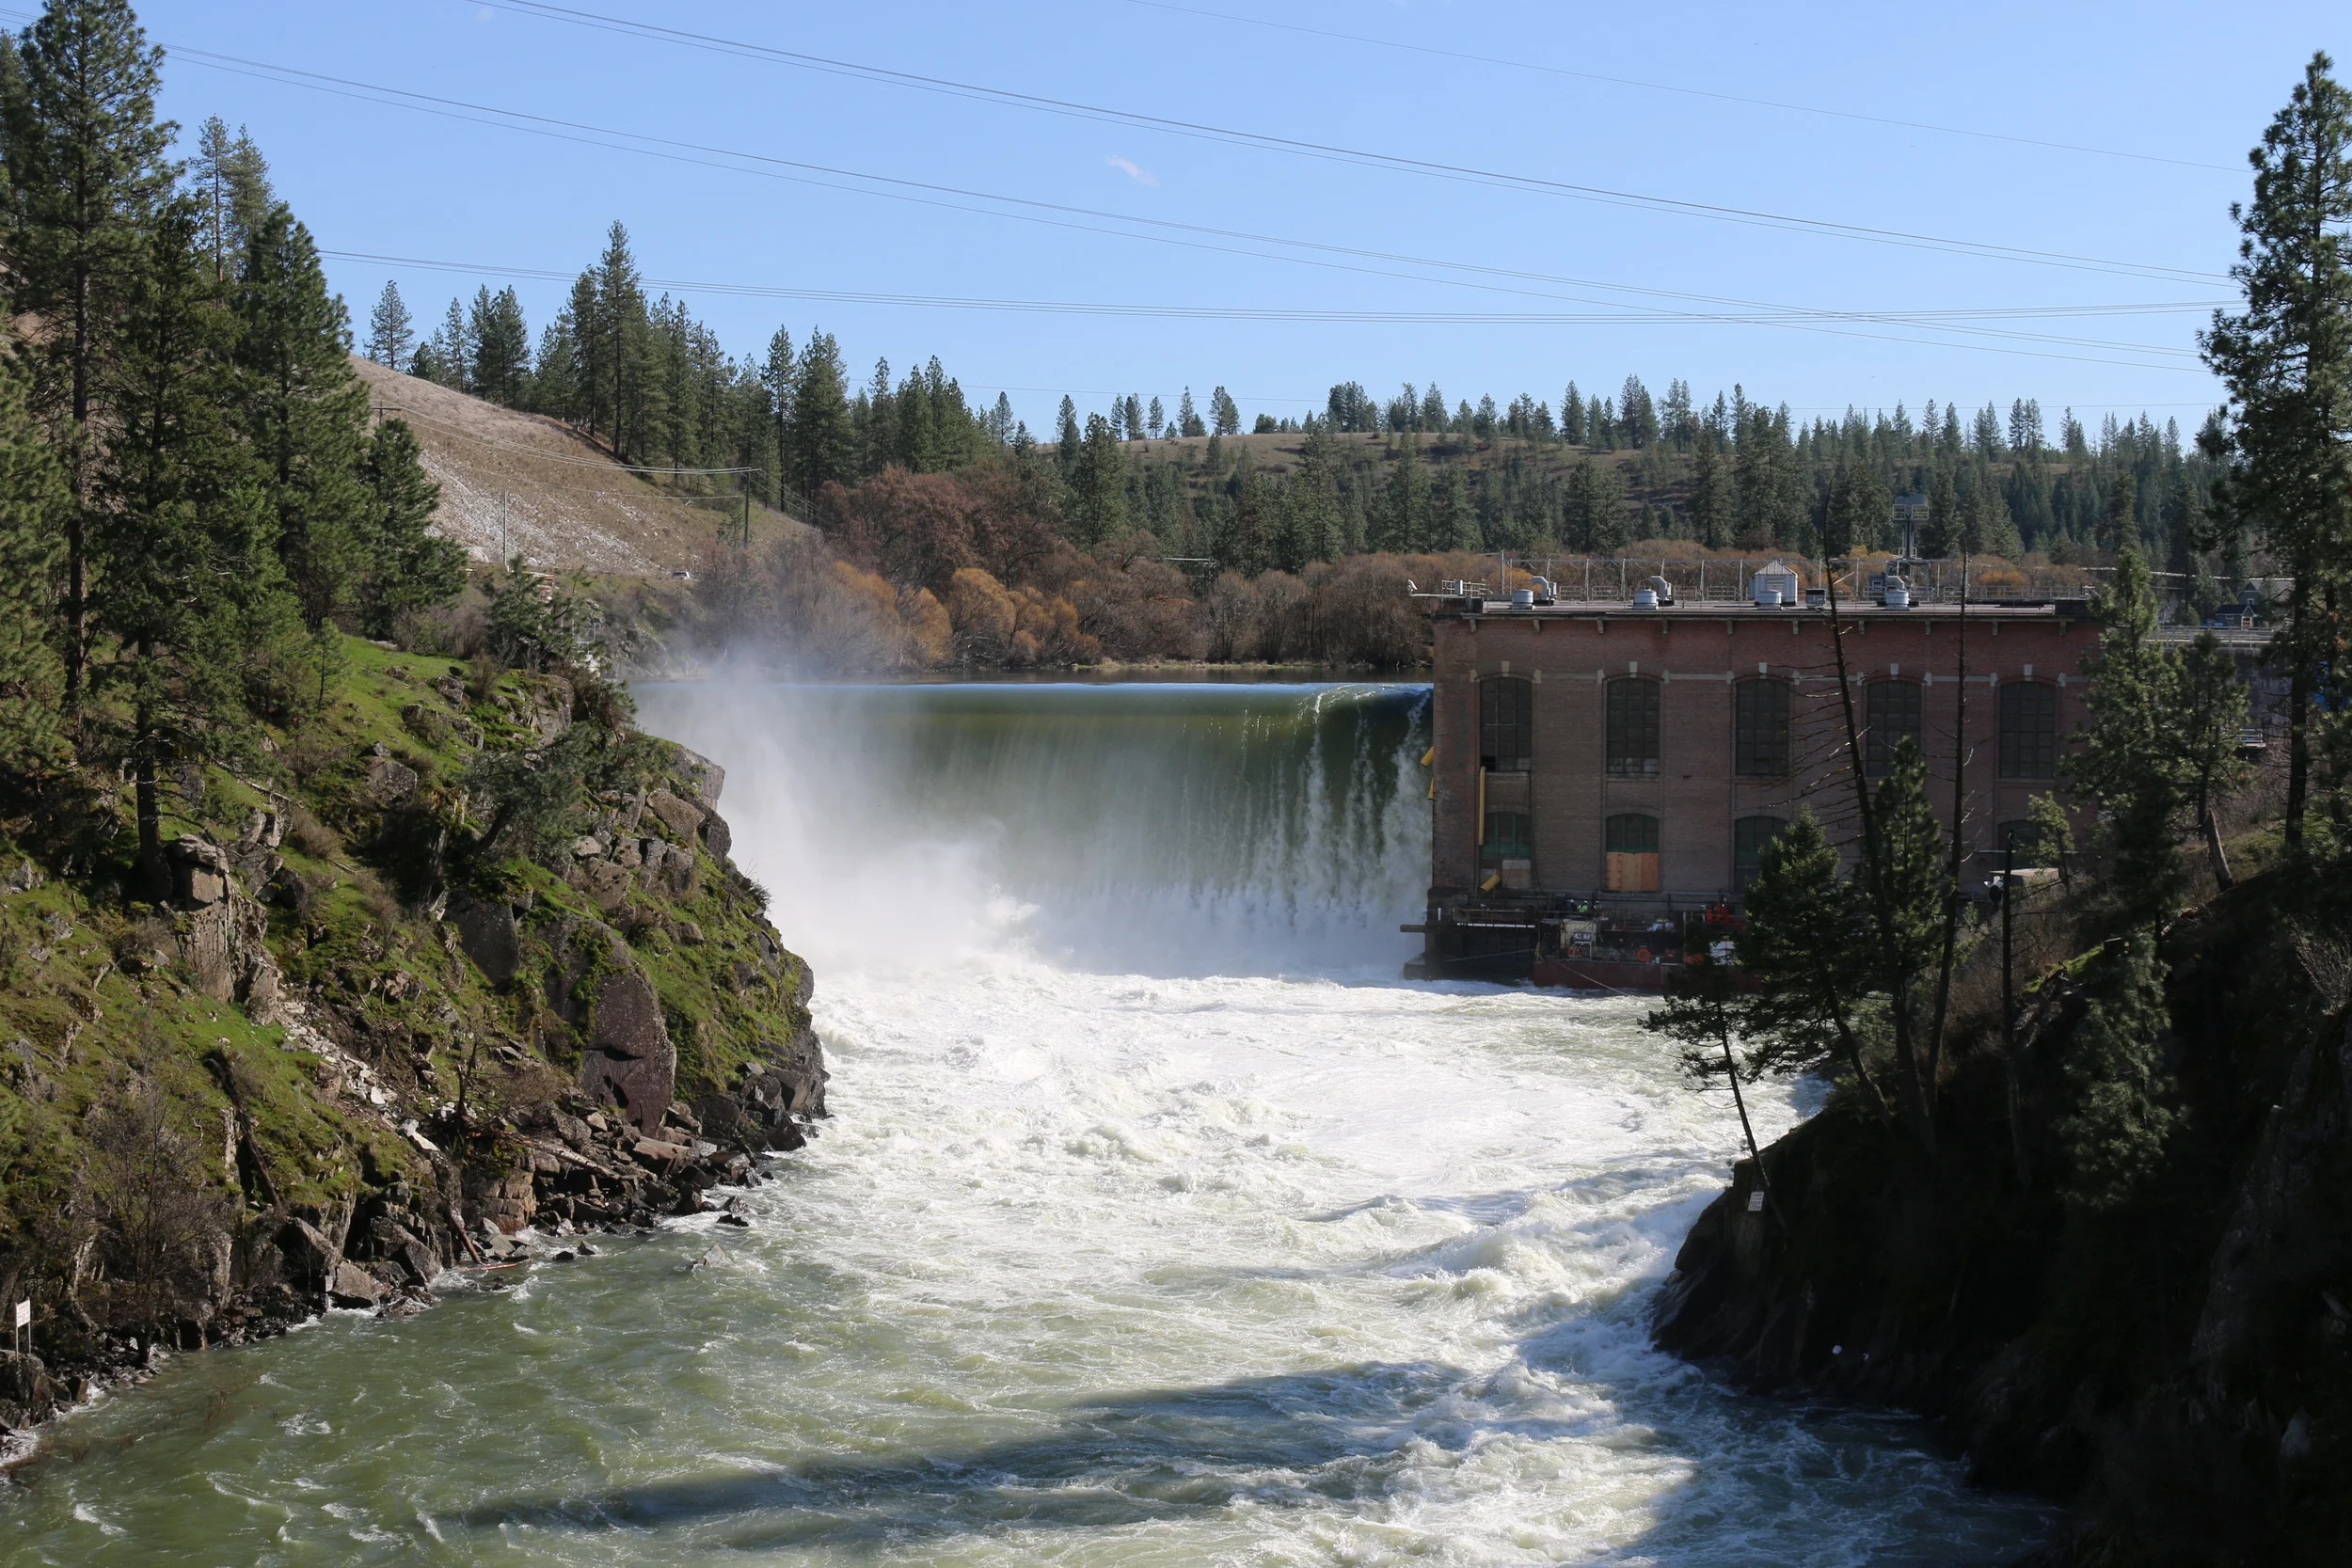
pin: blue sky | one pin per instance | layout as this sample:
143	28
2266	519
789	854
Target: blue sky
2183	91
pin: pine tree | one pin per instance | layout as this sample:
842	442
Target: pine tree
2287	361
303	410
453	350
822	442
1403	513
32	677
1314	502
1224	414
882	420
1858	509
555	374
192	595
1098	489
1452	520
615	325
401	566
501	340
2128	761
1945	521
1593	509
2125	1103
1709	509
231	179
390	335
778	373
86	172
1187	422
1155	419
1804	925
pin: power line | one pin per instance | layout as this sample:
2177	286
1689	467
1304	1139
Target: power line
1800	318
534	124
1687	92
1336	153
1189	312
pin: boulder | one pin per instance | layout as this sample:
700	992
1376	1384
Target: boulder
629	1056
682	820
353	1286
389	783
199	872
510	1202
310	1258
719	835
702	776
221	929
489	934
608	884
27	1396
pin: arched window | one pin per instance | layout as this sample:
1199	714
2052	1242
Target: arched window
1891	713
1759	729
1510	837
1506	724
1748	837
2028	730
1633	841
1632	739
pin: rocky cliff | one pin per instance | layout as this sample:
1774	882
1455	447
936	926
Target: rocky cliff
2180	1368
350	1051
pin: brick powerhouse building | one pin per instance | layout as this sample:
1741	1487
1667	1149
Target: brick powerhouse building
1603	773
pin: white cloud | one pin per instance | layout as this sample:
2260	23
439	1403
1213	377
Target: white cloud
1133	170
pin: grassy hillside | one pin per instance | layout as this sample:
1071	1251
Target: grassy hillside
426	978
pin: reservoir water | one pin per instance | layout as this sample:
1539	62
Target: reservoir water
1158	1224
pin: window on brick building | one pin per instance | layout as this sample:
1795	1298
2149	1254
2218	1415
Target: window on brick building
1506	724
2028	730
1632	739
1510	837
1748	837
1632	846
1890	715
2031	843
1759	729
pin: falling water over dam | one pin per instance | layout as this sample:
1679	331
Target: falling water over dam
1158	1223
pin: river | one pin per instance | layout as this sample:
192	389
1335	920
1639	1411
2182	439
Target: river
1158	1223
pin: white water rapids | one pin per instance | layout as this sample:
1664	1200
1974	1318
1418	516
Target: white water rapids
1158	1224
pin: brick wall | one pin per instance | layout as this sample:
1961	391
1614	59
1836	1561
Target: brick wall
1696	655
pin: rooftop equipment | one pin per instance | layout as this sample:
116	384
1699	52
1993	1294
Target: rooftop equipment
1772	587
1898	594
1522	598
1645	599
1664	590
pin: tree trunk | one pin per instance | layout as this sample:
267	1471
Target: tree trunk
2220	857
1747	1131
1959	823
1917	1108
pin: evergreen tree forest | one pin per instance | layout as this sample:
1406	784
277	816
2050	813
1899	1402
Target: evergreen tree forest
195	505
1414	473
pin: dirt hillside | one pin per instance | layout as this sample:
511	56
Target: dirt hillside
522	483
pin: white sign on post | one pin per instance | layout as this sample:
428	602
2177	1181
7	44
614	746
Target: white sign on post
23	1314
